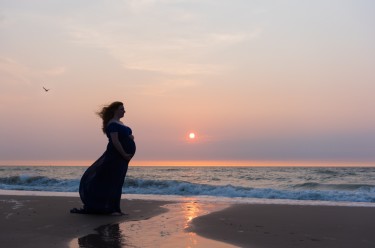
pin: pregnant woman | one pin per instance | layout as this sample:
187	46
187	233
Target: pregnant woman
101	185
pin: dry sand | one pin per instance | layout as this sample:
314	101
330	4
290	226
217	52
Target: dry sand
45	221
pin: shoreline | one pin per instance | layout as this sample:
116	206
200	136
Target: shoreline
45	221
179	198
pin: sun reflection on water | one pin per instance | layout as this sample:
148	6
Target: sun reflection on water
190	210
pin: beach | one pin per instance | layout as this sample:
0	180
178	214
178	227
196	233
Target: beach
271	226
45	221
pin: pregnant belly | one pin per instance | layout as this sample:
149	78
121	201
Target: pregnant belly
129	146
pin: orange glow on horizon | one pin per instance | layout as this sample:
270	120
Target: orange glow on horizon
227	163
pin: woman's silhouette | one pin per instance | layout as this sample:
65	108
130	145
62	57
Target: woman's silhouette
100	188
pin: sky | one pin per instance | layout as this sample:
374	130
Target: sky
264	80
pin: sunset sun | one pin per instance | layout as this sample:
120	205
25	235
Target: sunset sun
191	136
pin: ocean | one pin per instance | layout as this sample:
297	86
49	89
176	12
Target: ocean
353	186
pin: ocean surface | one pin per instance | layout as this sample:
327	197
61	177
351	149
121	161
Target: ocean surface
348	185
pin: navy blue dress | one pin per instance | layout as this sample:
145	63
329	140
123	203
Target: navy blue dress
100	188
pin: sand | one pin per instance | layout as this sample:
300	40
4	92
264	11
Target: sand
271	226
45	221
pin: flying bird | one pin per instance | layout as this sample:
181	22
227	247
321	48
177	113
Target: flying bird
46	90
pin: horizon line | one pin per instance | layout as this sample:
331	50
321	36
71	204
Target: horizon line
248	163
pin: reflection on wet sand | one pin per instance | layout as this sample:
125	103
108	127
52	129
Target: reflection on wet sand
106	236
190	210
170	229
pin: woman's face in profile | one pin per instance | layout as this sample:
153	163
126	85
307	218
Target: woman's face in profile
120	111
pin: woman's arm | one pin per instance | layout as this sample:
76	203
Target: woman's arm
116	143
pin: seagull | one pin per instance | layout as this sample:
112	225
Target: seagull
46	90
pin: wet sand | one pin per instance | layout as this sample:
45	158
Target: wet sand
45	221
276	226
166	230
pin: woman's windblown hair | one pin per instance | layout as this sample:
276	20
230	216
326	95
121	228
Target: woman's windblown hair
107	113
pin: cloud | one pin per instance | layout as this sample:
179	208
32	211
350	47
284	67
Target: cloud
2	19
166	86
139	6
12	71
235	38
55	71
174	37
170	54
